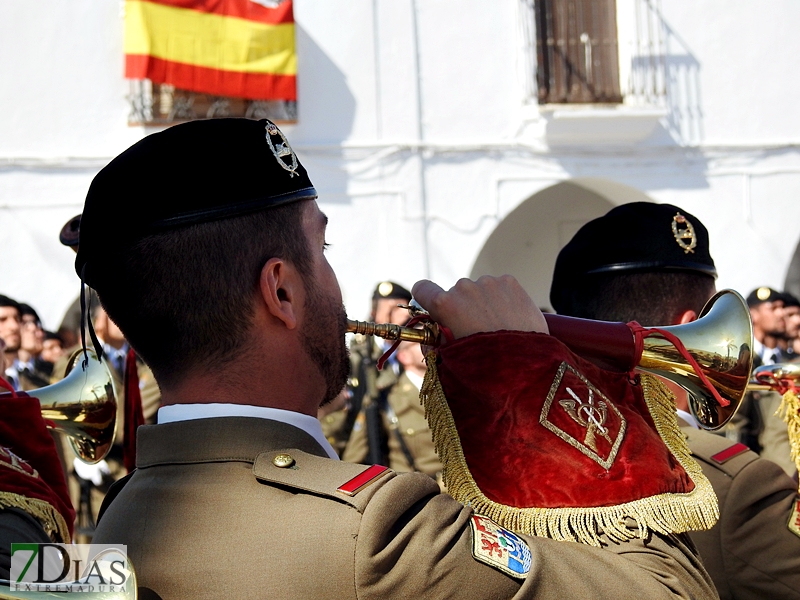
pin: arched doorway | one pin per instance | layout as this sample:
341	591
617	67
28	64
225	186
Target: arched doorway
526	243
792	282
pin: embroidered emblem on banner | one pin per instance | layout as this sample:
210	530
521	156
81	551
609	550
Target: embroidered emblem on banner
281	149
12	461
499	548
683	230
794	519
579	413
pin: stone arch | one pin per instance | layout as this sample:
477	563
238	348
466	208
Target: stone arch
526	243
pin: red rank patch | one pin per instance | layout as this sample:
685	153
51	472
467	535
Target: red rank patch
359	482
729	453
581	415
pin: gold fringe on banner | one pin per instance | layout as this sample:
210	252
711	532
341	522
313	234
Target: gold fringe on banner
789	411
665	513
51	520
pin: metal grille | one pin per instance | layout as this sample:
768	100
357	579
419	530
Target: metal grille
154	104
577	52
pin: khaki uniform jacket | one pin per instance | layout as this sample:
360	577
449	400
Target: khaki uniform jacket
207	514
403	399
750	553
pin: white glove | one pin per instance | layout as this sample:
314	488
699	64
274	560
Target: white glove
93	473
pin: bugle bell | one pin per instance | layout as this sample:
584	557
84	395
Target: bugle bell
82	406
720	342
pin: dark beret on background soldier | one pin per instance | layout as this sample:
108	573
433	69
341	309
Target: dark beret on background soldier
657	270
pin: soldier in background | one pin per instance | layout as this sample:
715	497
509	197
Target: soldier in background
367	387
10	326
52	348
33	371
769	327
658	271
791	318
406	433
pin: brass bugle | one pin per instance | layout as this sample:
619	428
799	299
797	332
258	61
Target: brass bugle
427	336
82	406
774	377
720	341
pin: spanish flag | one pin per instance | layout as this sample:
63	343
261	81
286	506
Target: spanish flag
233	48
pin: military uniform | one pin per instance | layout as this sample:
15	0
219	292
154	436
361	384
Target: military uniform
286	532
364	387
405	418
235	505
750	553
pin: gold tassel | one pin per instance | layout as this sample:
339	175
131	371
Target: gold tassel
51	520
789	411
665	513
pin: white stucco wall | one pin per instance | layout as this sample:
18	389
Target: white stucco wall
416	126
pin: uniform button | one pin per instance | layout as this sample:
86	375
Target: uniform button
283	461
409	431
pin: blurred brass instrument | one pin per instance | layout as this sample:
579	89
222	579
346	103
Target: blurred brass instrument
82	406
780	377
720	341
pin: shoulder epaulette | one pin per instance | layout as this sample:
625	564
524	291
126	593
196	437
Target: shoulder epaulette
349	483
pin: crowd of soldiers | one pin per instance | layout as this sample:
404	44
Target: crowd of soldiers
659	273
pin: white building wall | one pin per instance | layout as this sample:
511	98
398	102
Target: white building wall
416	125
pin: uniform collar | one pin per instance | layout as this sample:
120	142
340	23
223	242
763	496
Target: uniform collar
187	412
218	439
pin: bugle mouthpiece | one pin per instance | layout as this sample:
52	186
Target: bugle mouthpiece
427	336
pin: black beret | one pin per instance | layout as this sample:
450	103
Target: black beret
635	237
789	299
763	294
390	290
71	232
191	173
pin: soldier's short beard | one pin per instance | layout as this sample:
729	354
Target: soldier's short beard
323	340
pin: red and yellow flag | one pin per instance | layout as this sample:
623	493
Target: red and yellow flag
234	48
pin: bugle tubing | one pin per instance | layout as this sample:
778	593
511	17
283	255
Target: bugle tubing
720	341
427	336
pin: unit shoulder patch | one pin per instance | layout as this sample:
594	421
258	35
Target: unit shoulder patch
794	519
499	548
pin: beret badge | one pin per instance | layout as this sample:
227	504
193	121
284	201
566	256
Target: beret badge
683	230
764	293
281	148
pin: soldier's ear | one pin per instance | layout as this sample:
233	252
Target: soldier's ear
280	284
686	316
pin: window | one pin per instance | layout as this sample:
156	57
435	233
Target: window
576	45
